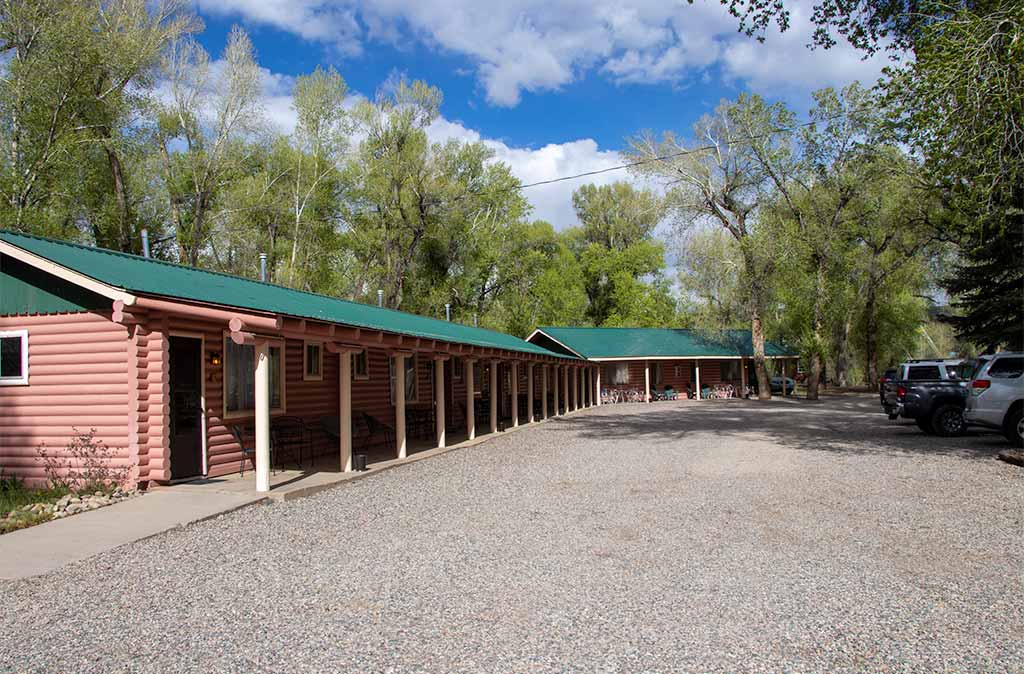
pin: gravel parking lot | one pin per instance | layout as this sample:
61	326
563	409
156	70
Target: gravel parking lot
725	535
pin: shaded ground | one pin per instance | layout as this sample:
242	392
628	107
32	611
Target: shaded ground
725	535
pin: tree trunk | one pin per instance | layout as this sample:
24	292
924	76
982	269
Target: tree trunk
841	346
764	387
125	230
814	376
870	330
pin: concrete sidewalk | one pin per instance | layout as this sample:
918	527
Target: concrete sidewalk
45	547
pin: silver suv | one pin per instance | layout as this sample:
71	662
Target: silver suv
997	396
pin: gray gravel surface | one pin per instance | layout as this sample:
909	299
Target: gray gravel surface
724	536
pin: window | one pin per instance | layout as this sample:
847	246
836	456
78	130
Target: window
313	362
240	378
730	370
919	372
411	385
456	369
14	358
616	373
360	365
1006	368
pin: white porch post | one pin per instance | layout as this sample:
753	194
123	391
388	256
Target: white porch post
597	379
743	377
467	373
696	369
439	417
262	385
515	393
647	381
495	393
588	388
400	441
345	408
529	392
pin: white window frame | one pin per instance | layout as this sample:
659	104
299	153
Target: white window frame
306	376
248	413
22	379
355	371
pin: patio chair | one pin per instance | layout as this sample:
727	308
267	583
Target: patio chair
248	453
289	437
376	427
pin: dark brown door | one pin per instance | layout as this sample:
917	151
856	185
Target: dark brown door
186	366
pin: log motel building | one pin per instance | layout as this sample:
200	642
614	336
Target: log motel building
186	373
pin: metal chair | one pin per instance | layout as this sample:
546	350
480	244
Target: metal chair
247	452
375	427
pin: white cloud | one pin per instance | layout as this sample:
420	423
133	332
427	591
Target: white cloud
539	45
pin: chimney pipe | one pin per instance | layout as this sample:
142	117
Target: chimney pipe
447	312
474	320
145	243
263	267
380	298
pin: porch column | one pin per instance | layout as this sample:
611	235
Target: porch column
647	381
544	391
400	442
696	369
529	392
345	408
439	420
588	388
262	411
554	392
467	374
515	393
743	377
494	396
597	386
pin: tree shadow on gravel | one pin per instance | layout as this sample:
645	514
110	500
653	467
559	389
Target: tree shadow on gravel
843	424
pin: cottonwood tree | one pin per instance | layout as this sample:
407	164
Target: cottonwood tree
716	177
202	132
76	74
620	259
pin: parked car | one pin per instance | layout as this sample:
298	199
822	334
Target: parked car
888	376
776	384
933	393
996	397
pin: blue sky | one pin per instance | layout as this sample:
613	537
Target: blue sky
554	86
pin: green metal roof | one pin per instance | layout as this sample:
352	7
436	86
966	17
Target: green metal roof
658	342
145	276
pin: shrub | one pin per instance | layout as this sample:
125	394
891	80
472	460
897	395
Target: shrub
87	464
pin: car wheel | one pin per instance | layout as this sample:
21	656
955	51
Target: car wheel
925	425
948	421
1013	427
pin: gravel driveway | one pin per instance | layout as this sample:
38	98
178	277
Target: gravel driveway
724	535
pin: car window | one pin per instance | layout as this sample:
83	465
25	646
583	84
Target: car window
1006	368
915	372
969	368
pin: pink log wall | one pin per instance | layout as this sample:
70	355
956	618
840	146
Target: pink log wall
88	372
79	376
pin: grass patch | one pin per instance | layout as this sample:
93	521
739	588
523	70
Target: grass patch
14	494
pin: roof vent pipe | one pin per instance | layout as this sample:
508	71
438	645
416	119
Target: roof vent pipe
263	267
380	298
447	312
474	320
145	243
